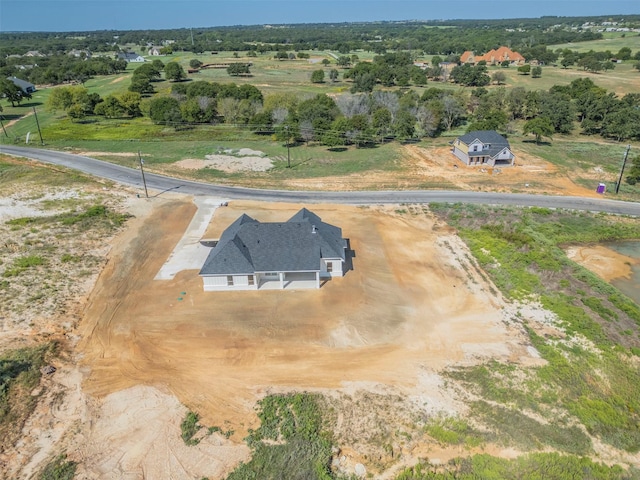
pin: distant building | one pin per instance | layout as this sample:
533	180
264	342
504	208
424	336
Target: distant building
79	53
483	147
154	51
493	57
130	57
26	87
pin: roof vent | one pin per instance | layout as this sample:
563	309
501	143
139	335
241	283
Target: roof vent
313	229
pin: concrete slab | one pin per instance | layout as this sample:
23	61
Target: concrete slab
189	254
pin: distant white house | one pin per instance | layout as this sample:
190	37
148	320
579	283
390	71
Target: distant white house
154	51
79	53
130	57
253	255
483	147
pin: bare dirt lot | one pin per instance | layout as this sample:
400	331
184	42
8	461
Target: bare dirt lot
603	261
421	168
401	314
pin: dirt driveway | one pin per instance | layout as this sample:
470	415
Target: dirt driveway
400	311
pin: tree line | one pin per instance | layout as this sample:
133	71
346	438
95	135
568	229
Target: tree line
369	118
431	37
58	69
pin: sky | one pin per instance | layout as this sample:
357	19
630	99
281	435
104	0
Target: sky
87	15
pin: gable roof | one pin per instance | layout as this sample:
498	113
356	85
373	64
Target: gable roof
493	55
248	246
23	85
464	58
128	55
497	143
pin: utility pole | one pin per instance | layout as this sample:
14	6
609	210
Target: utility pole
286	127
144	181
624	163
3	129
38	124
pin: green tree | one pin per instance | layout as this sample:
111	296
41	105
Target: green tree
317	76
325	62
622	124
12	92
499	78
524	69
174	71
404	125
236	69
418	76
624	53
130	102
557	107
343	61
536	72
110	108
195	63
165	110
470	76
364	82
633	175
333	75
540	127
141	84
381	121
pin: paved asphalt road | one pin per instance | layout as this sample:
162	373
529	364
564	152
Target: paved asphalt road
161	183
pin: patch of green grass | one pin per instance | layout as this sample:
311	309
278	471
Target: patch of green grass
91	217
453	431
519	249
19	376
190	426
290	439
22	264
533	466
59	469
512	427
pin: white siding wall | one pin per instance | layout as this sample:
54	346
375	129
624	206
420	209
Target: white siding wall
461	155
240	282
336	270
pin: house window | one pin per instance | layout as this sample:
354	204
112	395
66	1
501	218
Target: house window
251	280
329	267
475	148
229	280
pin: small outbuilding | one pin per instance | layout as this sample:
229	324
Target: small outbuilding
26	87
298	253
483	147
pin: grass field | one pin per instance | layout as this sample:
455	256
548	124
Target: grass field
612	41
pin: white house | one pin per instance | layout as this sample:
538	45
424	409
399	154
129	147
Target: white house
483	147
130	57
154	51
252	255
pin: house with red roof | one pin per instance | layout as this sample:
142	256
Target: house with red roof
493	57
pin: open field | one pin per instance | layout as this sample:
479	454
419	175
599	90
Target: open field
612	41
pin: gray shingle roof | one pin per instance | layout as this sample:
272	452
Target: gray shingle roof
248	246
496	142
26	87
